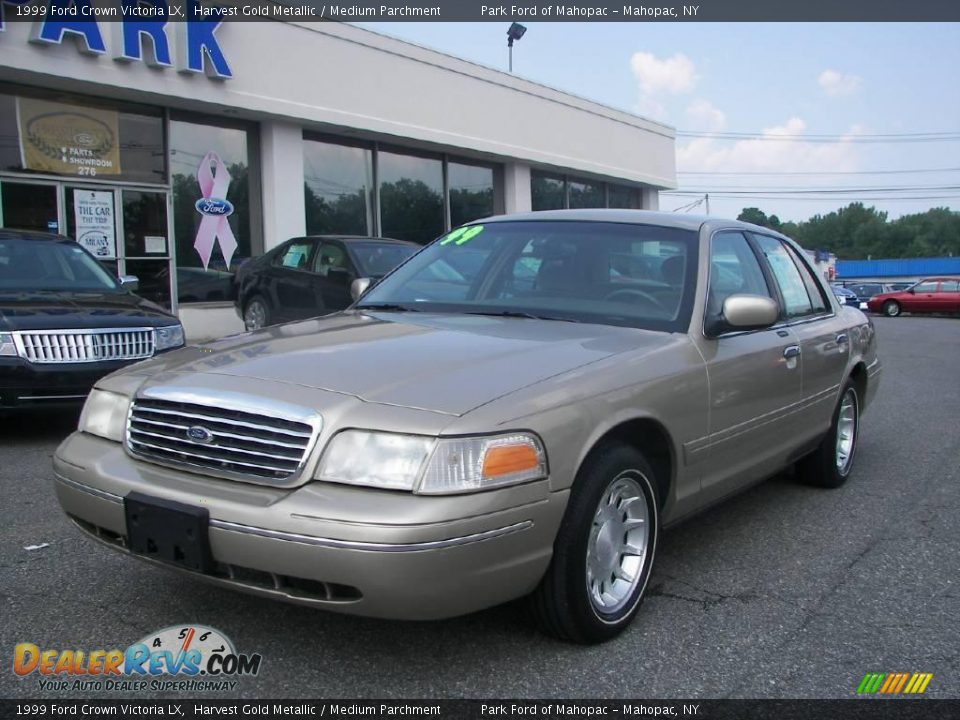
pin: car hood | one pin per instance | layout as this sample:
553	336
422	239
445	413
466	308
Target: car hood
44	310
448	364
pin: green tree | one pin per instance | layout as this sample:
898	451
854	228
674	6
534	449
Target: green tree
859	232
759	217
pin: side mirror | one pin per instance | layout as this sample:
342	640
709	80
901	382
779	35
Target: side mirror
744	312
912	291
130	282
359	286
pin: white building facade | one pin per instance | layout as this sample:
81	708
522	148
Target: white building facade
175	151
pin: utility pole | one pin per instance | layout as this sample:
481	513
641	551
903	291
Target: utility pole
707	198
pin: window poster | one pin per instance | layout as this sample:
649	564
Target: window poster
68	139
93	211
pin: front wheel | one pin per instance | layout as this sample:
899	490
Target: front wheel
830	464
891	308
604	551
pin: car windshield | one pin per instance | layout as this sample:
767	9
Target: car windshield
54	266
376	259
610	273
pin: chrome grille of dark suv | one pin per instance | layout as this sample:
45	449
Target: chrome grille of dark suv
217	441
83	346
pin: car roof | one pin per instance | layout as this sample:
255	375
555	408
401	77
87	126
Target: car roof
361	238
639	217
15	234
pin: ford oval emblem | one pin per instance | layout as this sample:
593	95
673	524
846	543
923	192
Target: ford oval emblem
199	434
217	207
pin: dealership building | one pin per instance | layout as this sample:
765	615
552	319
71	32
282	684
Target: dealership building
175	151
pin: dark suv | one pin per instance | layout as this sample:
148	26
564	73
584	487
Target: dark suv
65	322
309	276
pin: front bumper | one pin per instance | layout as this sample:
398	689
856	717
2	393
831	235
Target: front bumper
24	384
354	550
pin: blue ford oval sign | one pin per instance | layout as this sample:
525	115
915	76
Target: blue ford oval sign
214	206
199	434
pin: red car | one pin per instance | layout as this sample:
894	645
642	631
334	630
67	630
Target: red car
933	295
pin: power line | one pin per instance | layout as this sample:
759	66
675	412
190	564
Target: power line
826	139
810	191
734	173
806	198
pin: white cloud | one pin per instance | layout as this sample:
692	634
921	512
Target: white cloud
673	75
704	116
779	149
836	83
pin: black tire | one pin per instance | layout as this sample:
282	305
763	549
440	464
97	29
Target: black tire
822	467
891	308
250	310
562	604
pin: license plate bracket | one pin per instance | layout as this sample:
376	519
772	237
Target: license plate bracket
168	531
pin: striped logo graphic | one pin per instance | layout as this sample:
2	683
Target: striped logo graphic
894	683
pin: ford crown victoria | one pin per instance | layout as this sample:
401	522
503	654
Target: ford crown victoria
522	424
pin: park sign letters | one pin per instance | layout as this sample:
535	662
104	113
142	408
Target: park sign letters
140	31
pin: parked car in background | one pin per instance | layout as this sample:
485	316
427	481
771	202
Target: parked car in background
866	290
933	295
310	276
845	296
447	445
65	322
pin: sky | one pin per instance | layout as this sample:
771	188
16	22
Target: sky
785	81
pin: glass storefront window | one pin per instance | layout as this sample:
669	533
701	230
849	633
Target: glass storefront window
547	192
411	197
338	188
620	196
585	194
80	137
471	192
210	177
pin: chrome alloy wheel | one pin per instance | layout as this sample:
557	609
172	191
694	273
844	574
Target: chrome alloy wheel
256	316
618	544
846	431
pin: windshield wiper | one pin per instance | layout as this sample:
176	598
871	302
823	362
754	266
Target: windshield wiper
520	314
390	307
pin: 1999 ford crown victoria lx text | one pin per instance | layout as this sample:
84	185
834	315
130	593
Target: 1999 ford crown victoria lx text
519	409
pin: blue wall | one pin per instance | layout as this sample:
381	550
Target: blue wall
899	267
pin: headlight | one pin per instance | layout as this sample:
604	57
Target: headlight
168	337
105	414
7	346
432	466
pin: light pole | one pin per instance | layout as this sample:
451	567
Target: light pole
515	32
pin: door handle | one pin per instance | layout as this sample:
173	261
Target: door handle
842	339
791	351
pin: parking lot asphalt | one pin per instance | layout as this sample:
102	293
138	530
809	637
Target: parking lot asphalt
784	591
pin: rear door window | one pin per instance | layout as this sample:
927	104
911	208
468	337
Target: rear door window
296	256
793	289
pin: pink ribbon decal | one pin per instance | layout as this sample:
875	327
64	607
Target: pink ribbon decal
215	210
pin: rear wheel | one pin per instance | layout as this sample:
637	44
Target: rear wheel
830	464
604	551
256	315
891	308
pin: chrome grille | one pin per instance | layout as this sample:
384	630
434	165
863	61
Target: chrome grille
83	346
228	443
